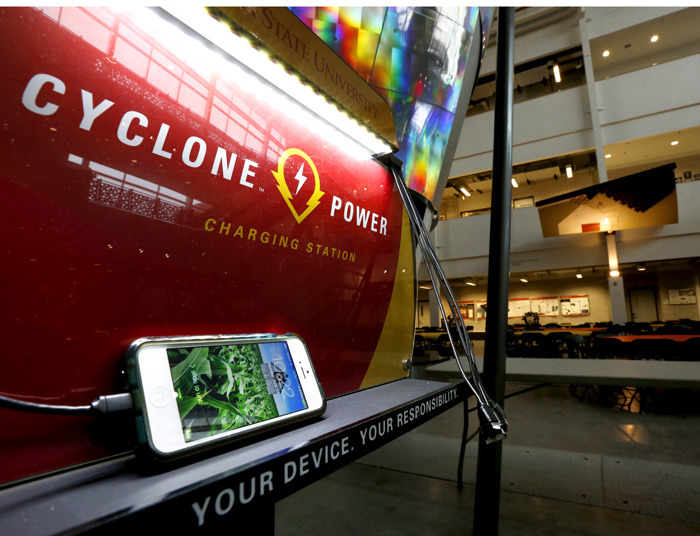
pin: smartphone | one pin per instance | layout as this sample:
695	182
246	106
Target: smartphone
196	392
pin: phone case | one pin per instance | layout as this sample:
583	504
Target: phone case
145	441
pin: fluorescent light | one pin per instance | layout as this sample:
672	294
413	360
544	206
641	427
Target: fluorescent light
523	279
464	191
569	171
641	268
674	142
259	62
614	273
471	283
557	74
608	156
654	38
514	182
579	276
606	53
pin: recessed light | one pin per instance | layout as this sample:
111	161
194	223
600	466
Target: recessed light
606	53
569	171
654	38
674	142
557	74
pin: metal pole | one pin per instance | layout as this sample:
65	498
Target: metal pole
488	474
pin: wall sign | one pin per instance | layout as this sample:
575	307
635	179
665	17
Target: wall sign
681	296
545	306
575	305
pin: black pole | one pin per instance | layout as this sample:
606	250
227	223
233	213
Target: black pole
488	473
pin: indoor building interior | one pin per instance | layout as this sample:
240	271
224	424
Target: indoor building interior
600	94
182	229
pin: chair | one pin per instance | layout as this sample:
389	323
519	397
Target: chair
532	344
557	345
690	349
659	349
610	348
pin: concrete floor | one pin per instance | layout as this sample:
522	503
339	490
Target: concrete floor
570	467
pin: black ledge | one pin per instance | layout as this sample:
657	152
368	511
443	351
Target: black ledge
125	493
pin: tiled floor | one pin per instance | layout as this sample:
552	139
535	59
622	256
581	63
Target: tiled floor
570	467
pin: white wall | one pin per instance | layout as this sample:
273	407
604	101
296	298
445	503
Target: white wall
462	243
643	103
605	20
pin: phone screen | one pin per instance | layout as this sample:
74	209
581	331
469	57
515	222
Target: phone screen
221	388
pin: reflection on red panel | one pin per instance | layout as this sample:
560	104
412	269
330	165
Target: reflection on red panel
151	187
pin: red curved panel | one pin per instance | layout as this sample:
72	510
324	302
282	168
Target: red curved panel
142	197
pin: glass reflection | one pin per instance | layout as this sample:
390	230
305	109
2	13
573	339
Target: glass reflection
117	189
177	65
416	58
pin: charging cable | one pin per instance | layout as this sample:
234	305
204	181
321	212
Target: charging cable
492	419
102	405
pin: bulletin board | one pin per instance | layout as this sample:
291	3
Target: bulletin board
466	309
545	306
575	306
681	296
518	307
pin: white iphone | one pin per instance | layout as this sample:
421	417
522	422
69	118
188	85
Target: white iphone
194	392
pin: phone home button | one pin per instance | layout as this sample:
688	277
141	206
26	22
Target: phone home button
161	396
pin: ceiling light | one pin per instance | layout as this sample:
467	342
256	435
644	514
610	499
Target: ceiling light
641	268
523	279
579	276
278	77
464	191
514	182
557	74
471	283
614	273
608	156
674	142
606	53
654	38
569	171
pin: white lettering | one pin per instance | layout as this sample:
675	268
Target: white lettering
290	471
304	464
227	165
228	494
199	510
90	113
241	490
347	214
382	226
265	482
336	204
31	92
248	173
160	141
363	217
186	153
123	131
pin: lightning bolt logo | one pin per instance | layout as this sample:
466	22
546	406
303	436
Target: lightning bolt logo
300	178
283	188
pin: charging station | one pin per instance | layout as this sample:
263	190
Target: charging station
187	172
